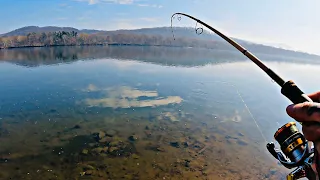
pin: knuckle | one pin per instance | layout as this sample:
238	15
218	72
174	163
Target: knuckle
306	104
314	111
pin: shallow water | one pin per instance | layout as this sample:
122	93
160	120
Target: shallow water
141	113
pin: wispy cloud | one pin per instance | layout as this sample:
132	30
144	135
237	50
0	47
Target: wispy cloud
121	14
150	5
61	19
128	97
91	2
125	2
134	23
149	19
124	24
121	1
64	5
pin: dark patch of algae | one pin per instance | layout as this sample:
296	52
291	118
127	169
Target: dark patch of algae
131	148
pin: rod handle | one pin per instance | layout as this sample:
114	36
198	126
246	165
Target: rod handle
292	92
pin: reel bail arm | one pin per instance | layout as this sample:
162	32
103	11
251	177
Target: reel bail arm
294	151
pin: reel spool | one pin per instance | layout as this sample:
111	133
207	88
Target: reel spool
291	141
295	151
294	146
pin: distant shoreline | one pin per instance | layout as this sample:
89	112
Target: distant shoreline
112	44
169	46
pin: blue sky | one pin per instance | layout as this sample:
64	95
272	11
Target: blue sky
289	23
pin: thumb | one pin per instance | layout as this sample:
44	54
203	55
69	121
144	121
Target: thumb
304	112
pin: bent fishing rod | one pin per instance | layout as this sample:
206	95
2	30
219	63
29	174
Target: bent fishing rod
295	151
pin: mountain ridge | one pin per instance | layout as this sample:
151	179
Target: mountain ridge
166	32
150	31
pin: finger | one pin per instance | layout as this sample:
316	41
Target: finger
311	133
304	112
315	96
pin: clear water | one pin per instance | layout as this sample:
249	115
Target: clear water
161	113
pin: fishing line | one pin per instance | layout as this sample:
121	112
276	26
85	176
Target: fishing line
255	121
199	31
247	108
294	152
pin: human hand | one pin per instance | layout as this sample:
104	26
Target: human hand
308	113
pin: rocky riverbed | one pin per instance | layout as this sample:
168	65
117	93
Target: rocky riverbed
162	146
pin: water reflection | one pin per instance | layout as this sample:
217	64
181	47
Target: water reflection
113	116
159	55
127	97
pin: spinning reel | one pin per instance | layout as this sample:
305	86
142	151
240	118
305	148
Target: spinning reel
295	151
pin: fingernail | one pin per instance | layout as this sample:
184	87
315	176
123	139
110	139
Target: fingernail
290	109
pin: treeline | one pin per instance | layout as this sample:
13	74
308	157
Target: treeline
48	39
63	38
73	38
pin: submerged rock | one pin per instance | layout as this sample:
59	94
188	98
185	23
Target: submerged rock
205	172
92	144
187	163
98	135
89	172
148	133
53	110
87	167
155	147
160	149
76	127
242	143
197	146
186	144
133	138
273	171
85	151
105	149
114	143
113	149
101	135
128	176
134	156
105	140
175	144
111	133
97	150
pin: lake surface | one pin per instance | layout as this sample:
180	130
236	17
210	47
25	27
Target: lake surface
141	113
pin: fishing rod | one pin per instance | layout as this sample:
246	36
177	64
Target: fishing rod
295	151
